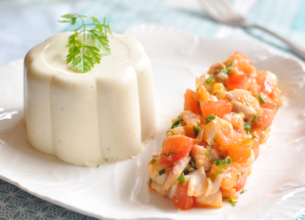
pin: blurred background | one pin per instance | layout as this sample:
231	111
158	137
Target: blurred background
26	23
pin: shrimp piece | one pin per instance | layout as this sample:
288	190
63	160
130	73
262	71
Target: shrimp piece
244	102
200	154
154	167
175	171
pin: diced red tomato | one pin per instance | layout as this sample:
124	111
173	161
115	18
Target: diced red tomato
240	56
190	103
237	147
242	62
268	102
181	200
266	118
176	147
237	82
218	108
241	182
266	84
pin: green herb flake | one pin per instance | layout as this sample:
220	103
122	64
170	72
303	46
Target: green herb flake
247	104
164	154
150	181
248	126
229	69
171	131
173	153
222	164
181	178
177	122
208	154
277	108
209	118
198	123
186	168
253	136
224	69
153	160
81	55
193	164
243	191
161	172
196	130
232	202
260	98
209	79
255	118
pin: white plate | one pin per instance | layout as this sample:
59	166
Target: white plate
119	190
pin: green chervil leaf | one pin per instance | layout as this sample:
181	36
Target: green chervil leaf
209	118
83	56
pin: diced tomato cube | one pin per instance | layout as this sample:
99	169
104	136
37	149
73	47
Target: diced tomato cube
237	82
176	147
190	103
218	108
181	200
266	118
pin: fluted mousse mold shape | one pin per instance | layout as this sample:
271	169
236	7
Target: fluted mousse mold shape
86	119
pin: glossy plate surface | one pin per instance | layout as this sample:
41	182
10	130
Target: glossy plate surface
275	189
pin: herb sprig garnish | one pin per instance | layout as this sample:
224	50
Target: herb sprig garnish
83	56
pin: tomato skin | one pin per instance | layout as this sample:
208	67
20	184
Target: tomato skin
179	144
266	118
181	200
190	103
240	56
218	108
237	82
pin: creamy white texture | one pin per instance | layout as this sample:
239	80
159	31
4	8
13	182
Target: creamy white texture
86	119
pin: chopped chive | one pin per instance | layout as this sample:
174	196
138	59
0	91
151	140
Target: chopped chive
248	126
187	167
277	108
153	160
242	172
164	155
161	172
171	131
198	123
261	100
209	118
247	104
208	154
228	160
150	181
255	118
233	203
224	68
253	136
97	165
193	164
181	178
196	130
177	122
209	79
173	153
243	191
229	69
226	197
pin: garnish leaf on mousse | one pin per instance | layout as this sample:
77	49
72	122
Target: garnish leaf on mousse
83	56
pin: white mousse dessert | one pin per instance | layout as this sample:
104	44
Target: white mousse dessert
86	119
